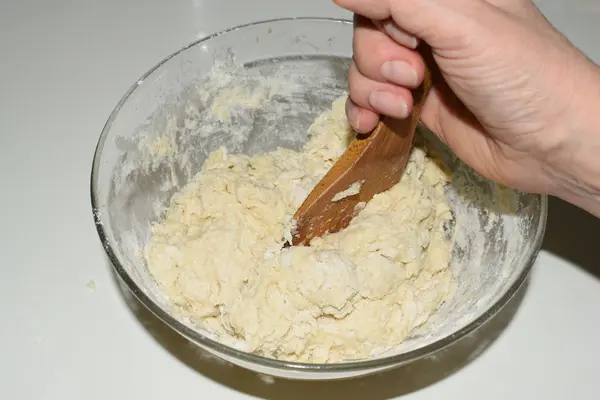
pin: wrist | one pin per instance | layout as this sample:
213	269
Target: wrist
575	168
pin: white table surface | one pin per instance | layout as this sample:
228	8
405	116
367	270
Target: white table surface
64	65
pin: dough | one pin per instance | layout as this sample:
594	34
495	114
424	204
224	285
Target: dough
348	296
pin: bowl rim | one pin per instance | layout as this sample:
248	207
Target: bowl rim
290	366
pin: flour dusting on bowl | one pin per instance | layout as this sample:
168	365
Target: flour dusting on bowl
283	74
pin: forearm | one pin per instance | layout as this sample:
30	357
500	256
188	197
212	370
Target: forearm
577	168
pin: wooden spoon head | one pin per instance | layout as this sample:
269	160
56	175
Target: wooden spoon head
375	161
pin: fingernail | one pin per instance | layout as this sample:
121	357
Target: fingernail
353	114
400	35
389	104
400	73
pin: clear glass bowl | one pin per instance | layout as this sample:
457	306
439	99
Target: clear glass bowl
159	134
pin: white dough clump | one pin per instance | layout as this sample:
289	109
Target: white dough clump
350	295
352	190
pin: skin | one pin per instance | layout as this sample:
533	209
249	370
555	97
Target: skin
513	98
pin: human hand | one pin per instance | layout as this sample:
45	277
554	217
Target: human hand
513	89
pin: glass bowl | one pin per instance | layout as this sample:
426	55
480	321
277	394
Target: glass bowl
160	132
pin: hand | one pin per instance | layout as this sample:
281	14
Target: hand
513	93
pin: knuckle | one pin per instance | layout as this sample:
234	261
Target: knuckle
382	51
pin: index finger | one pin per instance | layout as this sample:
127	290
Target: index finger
373	9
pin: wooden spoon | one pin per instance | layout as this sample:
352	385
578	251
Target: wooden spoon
376	160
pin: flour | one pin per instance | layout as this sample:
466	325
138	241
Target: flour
492	237
346	295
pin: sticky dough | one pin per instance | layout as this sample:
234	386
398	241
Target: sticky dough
350	295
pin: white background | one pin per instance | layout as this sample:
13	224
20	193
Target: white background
64	64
